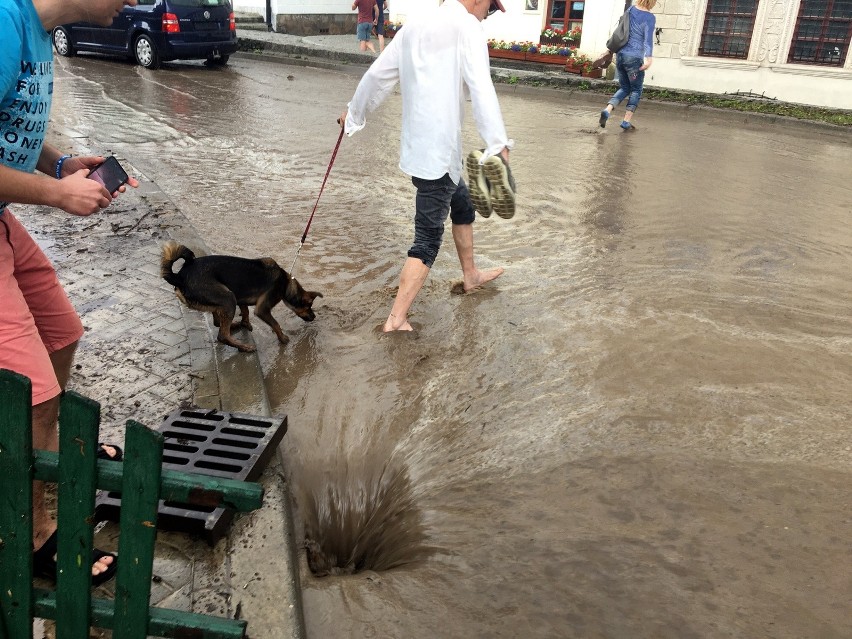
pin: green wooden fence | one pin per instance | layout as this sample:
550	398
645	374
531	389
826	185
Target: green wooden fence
76	469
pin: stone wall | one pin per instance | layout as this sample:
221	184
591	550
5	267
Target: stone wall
308	24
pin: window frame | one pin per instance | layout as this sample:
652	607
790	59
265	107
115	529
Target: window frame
822	40
728	34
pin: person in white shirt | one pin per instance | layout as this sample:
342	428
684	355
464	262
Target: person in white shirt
434	59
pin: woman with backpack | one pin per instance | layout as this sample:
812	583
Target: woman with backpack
631	61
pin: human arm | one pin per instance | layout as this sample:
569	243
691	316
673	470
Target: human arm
74	193
374	87
476	73
355	5
648	42
375	13
49	158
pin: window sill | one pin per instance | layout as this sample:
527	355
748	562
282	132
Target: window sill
816	71
721	63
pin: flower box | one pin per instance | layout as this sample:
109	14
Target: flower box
507	54
593	73
546	58
573	67
554	40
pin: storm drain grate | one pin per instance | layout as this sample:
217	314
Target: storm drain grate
233	445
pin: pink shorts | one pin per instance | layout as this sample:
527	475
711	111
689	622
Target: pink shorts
36	317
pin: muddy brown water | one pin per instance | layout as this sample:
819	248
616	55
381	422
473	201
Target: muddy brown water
642	430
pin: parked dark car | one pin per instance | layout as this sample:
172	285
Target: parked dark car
157	30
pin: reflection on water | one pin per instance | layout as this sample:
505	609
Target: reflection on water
641	430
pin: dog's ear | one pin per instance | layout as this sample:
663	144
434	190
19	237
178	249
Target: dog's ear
313	295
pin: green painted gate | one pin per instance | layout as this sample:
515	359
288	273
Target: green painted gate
77	471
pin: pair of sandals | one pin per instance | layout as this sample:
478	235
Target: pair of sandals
491	185
44	559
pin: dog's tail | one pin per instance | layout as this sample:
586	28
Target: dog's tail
172	252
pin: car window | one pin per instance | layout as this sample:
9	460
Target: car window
199	3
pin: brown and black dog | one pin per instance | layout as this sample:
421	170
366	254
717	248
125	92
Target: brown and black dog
221	283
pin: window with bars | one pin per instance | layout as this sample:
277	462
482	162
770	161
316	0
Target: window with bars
823	31
728	25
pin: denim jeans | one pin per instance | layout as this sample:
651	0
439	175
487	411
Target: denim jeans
630	80
434	200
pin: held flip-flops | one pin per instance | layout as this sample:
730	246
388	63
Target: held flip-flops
491	185
477	185
44	562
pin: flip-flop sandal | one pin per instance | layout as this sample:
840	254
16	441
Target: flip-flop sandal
477	185
44	562
103	454
499	177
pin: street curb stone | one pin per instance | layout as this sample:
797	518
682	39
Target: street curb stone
142	355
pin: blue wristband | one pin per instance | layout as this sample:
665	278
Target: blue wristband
59	164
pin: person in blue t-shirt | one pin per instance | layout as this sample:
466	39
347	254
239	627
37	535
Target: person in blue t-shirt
39	328
631	62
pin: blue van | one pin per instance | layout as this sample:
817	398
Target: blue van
158	30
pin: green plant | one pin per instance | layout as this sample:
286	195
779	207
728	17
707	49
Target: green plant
513	79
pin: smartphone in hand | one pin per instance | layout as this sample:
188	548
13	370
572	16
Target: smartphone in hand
110	174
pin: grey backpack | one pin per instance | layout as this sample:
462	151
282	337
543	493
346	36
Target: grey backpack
621	33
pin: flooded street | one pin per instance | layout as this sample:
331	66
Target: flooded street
641	430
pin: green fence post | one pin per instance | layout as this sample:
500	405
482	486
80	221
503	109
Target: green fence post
79	418
140	496
16	509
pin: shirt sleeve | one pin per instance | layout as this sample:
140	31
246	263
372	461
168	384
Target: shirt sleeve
476	73
374	87
649	35
12	50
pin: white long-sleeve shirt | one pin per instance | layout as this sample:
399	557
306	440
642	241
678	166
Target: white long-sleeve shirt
434	59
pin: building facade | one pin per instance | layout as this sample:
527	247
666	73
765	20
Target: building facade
790	50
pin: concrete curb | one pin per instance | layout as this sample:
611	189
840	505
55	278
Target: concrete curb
228	380
228	579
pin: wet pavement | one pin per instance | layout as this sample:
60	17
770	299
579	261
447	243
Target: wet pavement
638	431
144	355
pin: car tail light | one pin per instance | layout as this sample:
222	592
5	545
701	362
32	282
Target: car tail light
170	23
232	22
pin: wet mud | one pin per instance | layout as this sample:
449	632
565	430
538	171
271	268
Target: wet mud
640	430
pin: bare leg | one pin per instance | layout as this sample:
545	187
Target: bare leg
370	46
628	115
473	277
381	43
46	437
414	273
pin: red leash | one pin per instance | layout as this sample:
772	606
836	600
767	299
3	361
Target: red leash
311	219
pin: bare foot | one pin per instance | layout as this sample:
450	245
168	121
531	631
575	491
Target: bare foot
480	278
41	537
393	324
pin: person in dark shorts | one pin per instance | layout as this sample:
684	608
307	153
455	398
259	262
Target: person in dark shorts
435	59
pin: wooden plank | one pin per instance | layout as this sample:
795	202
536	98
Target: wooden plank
79	418
143	462
16	510
186	488
164	622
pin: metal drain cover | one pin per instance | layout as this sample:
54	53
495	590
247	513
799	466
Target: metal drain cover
233	445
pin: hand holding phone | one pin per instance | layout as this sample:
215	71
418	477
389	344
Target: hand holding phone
110	174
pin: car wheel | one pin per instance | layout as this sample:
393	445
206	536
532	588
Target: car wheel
62	42
221	61
146	52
